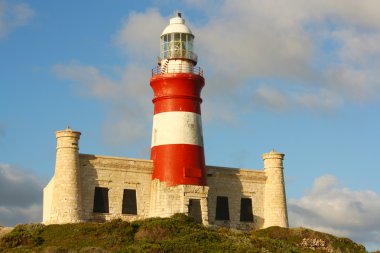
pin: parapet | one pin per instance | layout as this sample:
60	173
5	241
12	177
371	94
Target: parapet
273	159
67	138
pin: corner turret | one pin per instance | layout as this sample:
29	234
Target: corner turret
65	204
275	210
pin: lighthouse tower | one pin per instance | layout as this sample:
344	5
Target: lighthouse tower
179	176
177	140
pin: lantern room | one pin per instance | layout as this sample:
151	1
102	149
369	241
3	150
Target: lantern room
177	41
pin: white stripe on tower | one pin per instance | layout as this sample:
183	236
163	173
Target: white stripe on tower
177	128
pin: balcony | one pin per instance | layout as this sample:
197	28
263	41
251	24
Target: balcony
173	68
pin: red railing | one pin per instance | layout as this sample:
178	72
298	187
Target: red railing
178	68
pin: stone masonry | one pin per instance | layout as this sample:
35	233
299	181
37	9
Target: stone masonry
69	196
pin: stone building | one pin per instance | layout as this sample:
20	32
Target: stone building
89	187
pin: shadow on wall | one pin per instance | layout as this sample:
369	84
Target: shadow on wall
230	203
95	201
114	187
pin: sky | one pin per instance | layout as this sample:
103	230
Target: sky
300	77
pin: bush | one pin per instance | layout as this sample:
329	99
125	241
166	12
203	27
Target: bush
29	234
93	250
178	233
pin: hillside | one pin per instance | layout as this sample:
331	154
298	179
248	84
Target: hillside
176	234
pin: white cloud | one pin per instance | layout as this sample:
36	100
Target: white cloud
91	81
11	216
323	53
139	36
317	55
242	41
13	16
330	207
127	90
271	98
128	94
274	99
20	196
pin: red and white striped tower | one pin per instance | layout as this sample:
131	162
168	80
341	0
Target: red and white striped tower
177	140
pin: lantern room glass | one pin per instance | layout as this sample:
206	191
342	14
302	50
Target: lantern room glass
177	46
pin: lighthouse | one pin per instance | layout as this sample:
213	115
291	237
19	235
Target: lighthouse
91	187
177	141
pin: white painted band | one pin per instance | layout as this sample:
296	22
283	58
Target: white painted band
177	128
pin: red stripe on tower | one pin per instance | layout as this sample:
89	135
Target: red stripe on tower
177	140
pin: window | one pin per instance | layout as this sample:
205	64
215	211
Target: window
246	210
177	45
183	37
101	200
129	202
222	212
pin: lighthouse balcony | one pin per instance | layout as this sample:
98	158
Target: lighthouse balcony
174	68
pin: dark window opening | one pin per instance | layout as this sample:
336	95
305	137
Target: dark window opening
129	202
195	210
101	200
246	213
222	212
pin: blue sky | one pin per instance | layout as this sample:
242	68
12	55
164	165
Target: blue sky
301	77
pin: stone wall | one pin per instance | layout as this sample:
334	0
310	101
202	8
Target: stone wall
166	201
116	174
236	184
155	198
48	198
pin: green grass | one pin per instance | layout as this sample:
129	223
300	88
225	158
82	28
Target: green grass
176	234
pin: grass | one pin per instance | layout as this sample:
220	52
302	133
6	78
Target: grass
176	234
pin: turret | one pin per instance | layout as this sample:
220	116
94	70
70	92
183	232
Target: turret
275	211
66	200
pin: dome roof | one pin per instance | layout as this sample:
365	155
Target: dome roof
177	25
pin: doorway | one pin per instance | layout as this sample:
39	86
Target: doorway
195	210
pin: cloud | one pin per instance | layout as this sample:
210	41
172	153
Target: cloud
127	91
271	98
330	207
11	216
91	81
139	36
315	55
13	16
282	100
323	53
20	196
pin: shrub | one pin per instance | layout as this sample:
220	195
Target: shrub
29	234
93	250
